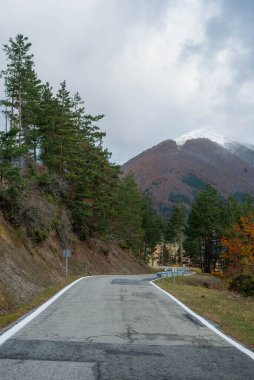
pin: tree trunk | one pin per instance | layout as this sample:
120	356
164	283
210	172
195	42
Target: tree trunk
208	254
6	119
200	256
145	253
181	252
20	118
34	148
12	100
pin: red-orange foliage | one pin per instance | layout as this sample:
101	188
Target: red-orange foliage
239	244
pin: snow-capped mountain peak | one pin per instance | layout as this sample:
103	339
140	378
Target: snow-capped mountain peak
203	134
244	151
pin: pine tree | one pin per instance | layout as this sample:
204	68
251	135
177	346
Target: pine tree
232	211
10	175
152	225
248	205
128	220
71	145
206	224
22	88
175	228
9	153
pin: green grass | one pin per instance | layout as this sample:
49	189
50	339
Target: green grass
11	316
206	295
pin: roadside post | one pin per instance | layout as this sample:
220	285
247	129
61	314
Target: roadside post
174	274
86	266
66	254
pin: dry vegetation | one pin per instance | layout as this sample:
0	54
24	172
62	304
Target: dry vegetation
207	295
30	273
17	312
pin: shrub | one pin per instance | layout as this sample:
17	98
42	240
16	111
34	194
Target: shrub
39	234
105	252
35	213
243	283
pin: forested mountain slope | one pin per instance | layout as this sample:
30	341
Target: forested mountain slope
175	172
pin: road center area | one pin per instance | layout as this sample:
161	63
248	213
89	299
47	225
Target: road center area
119	327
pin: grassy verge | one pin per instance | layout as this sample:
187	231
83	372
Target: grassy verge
206	295
11	316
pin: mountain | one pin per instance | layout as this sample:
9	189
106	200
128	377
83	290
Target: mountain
242	150
174	171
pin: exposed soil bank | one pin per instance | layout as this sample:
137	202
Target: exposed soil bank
27	269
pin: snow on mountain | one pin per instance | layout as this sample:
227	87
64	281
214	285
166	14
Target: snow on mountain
203	134
244	151
173	172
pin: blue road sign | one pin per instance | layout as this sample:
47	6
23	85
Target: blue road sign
67	253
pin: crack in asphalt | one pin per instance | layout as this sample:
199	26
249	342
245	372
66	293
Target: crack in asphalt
135	361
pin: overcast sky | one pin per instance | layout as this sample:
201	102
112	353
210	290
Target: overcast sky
155	68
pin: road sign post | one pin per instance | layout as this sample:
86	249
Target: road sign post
86	266
174	274
66	254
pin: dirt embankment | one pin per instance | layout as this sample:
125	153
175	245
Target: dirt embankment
26	268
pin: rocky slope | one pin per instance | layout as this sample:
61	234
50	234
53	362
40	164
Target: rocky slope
174	171
27	269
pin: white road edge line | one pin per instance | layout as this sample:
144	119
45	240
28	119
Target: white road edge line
19	325
207	324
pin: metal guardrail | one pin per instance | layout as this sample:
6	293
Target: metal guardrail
174	272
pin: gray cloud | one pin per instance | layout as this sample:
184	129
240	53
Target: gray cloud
157	69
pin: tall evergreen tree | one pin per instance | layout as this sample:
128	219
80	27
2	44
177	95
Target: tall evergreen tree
248	205
11	181
128	221
233	210
175	228
152	225
9	153
22	88
206	224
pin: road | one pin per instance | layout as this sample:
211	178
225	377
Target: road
117	328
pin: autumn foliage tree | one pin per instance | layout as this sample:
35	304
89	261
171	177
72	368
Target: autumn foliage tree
239	245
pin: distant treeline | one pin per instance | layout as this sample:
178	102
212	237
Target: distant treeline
217	232
55	174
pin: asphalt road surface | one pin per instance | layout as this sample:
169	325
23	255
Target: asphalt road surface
119	327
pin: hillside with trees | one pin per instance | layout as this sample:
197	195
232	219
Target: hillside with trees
173	173
53	148
56	178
